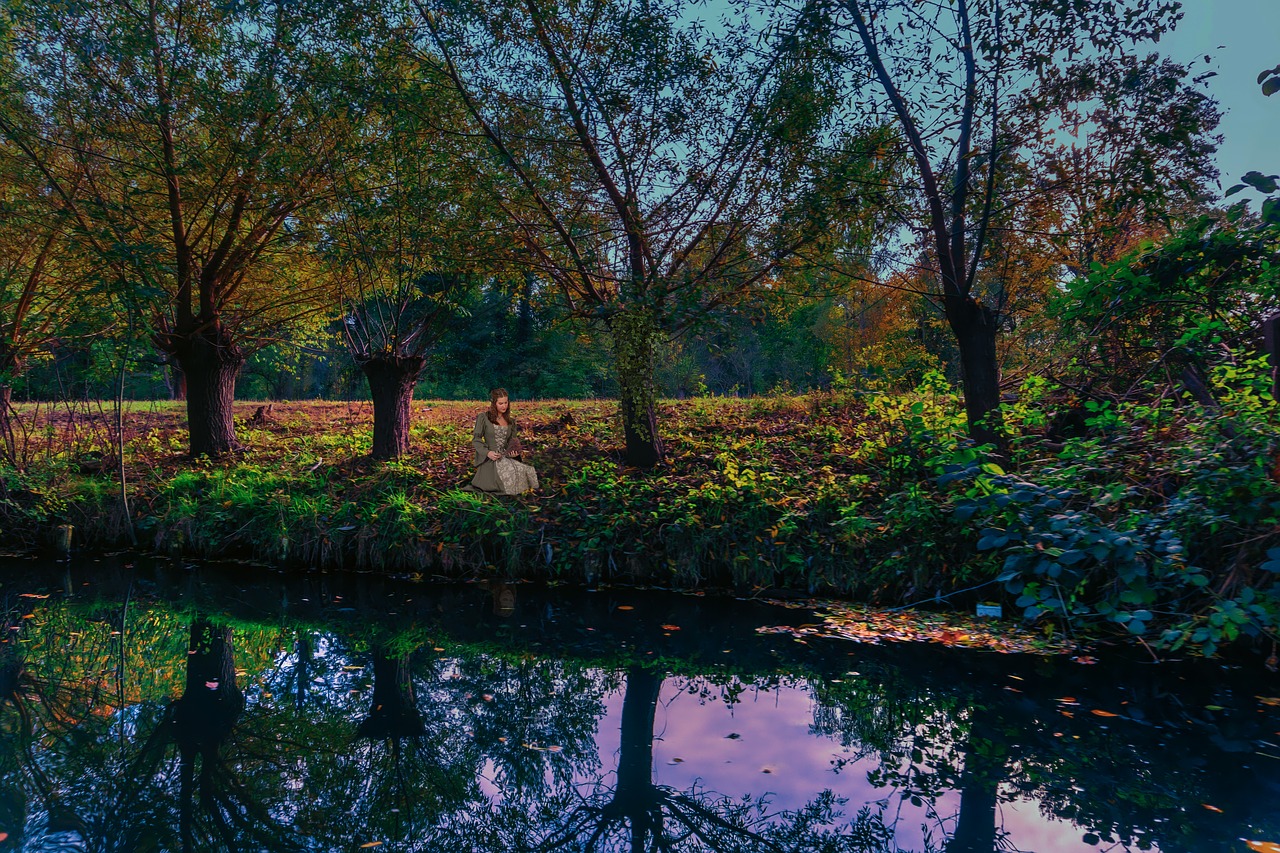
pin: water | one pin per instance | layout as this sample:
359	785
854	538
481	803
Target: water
160	707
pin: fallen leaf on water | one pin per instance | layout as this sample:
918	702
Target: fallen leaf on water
1068	700
1263	846
867	625
30	595
1268	700
370	844
671	627
1100	713
625	607
4	836
1211	808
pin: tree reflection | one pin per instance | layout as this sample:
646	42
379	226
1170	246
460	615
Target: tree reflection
639	815
1122	777
177	732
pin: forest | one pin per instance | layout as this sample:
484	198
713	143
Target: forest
897	301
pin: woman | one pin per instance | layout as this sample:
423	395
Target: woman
498	451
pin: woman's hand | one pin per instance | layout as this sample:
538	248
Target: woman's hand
494	456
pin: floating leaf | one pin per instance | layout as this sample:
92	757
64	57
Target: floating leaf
625	607
1211	808
1099	713
1268	700
1263	846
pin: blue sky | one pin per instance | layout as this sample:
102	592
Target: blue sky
1241	37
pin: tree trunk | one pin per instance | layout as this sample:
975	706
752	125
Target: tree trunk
391	382
634	341
203	718
524	312
636	797
211	701
175	379
394	713
974	326
8	446
210	362
979	784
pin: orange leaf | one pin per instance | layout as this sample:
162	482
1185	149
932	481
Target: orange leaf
1263	846
1268	700
1211	808
371	844
625	607
1104	713
671	627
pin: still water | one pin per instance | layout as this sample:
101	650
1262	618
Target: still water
150	706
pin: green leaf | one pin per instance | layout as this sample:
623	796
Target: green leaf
1261	182
1271	86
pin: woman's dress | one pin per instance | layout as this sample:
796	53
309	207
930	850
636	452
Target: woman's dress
512	476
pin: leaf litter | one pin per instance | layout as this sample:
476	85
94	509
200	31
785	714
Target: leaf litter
869	625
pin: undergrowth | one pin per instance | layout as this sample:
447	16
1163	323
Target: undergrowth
1155	517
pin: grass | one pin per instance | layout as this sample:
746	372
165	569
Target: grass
749	493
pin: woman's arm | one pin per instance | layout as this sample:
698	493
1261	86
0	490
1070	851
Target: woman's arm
477	440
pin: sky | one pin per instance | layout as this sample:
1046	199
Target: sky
1241	38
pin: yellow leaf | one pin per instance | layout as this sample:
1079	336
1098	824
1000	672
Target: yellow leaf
371	844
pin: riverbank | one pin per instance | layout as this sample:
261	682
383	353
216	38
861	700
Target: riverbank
1155	519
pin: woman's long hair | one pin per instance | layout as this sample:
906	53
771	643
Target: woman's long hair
494	396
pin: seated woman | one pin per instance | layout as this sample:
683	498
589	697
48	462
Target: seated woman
498	451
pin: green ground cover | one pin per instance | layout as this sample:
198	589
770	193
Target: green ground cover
1157	519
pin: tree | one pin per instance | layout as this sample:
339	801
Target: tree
965	83
41	274
660	170
184	139
403	238
1136	161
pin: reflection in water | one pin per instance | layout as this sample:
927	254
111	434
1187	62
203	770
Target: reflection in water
200	722
639	815
451	730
